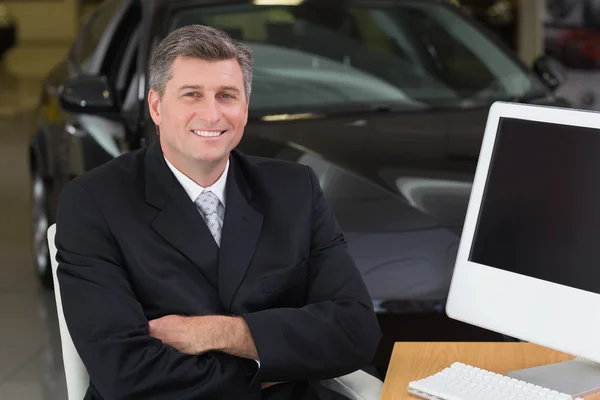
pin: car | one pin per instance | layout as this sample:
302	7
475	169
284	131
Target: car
8	31
578	48
386	100
498	15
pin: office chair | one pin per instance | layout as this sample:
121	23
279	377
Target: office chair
75	373
357	385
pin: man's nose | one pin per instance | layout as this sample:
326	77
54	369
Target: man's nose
210	111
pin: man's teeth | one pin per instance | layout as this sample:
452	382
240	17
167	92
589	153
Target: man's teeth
207	133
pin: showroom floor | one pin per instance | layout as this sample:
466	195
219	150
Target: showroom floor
30	359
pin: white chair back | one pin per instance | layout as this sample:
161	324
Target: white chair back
75	373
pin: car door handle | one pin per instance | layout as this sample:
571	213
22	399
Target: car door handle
75	130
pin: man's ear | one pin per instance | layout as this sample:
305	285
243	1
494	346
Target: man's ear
246	114
154	106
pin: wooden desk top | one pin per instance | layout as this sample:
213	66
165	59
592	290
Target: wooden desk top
412	361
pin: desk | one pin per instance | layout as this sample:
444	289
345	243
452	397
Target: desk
412	361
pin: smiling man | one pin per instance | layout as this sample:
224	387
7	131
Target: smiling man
189	270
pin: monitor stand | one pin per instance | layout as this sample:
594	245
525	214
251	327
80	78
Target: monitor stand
577	377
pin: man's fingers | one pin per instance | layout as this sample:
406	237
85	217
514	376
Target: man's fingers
265	385
153	331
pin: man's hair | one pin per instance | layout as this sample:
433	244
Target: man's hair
200	42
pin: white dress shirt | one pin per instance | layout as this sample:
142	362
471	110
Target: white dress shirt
193	189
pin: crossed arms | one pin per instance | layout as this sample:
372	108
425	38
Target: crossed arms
128	356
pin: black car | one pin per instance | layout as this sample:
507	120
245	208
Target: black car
387	100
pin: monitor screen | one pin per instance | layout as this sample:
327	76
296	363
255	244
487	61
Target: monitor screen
540	212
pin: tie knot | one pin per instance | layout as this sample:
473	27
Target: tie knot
207	202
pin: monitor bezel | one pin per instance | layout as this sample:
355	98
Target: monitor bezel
533	310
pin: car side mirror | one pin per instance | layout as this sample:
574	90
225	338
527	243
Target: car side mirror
88	94
550	70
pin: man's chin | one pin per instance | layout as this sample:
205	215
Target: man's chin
210	159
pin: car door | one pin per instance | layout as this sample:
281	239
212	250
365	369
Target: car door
107	47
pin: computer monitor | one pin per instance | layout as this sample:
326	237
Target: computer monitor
528	264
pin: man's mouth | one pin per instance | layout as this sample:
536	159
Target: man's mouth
208	133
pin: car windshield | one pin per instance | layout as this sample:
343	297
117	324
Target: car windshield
319	55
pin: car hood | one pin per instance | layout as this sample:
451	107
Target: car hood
367	143
404	244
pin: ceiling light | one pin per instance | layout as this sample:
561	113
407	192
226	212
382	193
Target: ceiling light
277	2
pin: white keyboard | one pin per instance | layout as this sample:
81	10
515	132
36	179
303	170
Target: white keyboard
465	382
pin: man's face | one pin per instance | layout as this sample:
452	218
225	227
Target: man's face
202	113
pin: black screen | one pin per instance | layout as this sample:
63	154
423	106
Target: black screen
540	212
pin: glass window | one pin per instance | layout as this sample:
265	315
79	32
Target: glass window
92	33
322	55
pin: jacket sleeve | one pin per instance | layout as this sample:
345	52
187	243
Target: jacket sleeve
337	331
108	325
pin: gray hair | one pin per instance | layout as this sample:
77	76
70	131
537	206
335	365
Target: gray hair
201	42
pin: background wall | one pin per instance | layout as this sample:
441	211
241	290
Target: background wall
45	20
530	31
45	29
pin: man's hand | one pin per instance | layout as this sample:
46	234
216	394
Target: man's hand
265	385
183	333
197	335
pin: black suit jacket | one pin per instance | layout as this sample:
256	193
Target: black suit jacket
132	247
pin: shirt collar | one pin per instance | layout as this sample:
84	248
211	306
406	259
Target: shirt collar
193	189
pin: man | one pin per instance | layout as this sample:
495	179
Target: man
190	271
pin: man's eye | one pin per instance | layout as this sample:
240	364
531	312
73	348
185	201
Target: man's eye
192	94
227	96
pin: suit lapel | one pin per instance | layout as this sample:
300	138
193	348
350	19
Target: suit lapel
241	231
178	221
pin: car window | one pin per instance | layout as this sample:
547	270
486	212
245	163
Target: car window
92	33
123	79
318	55
120	60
